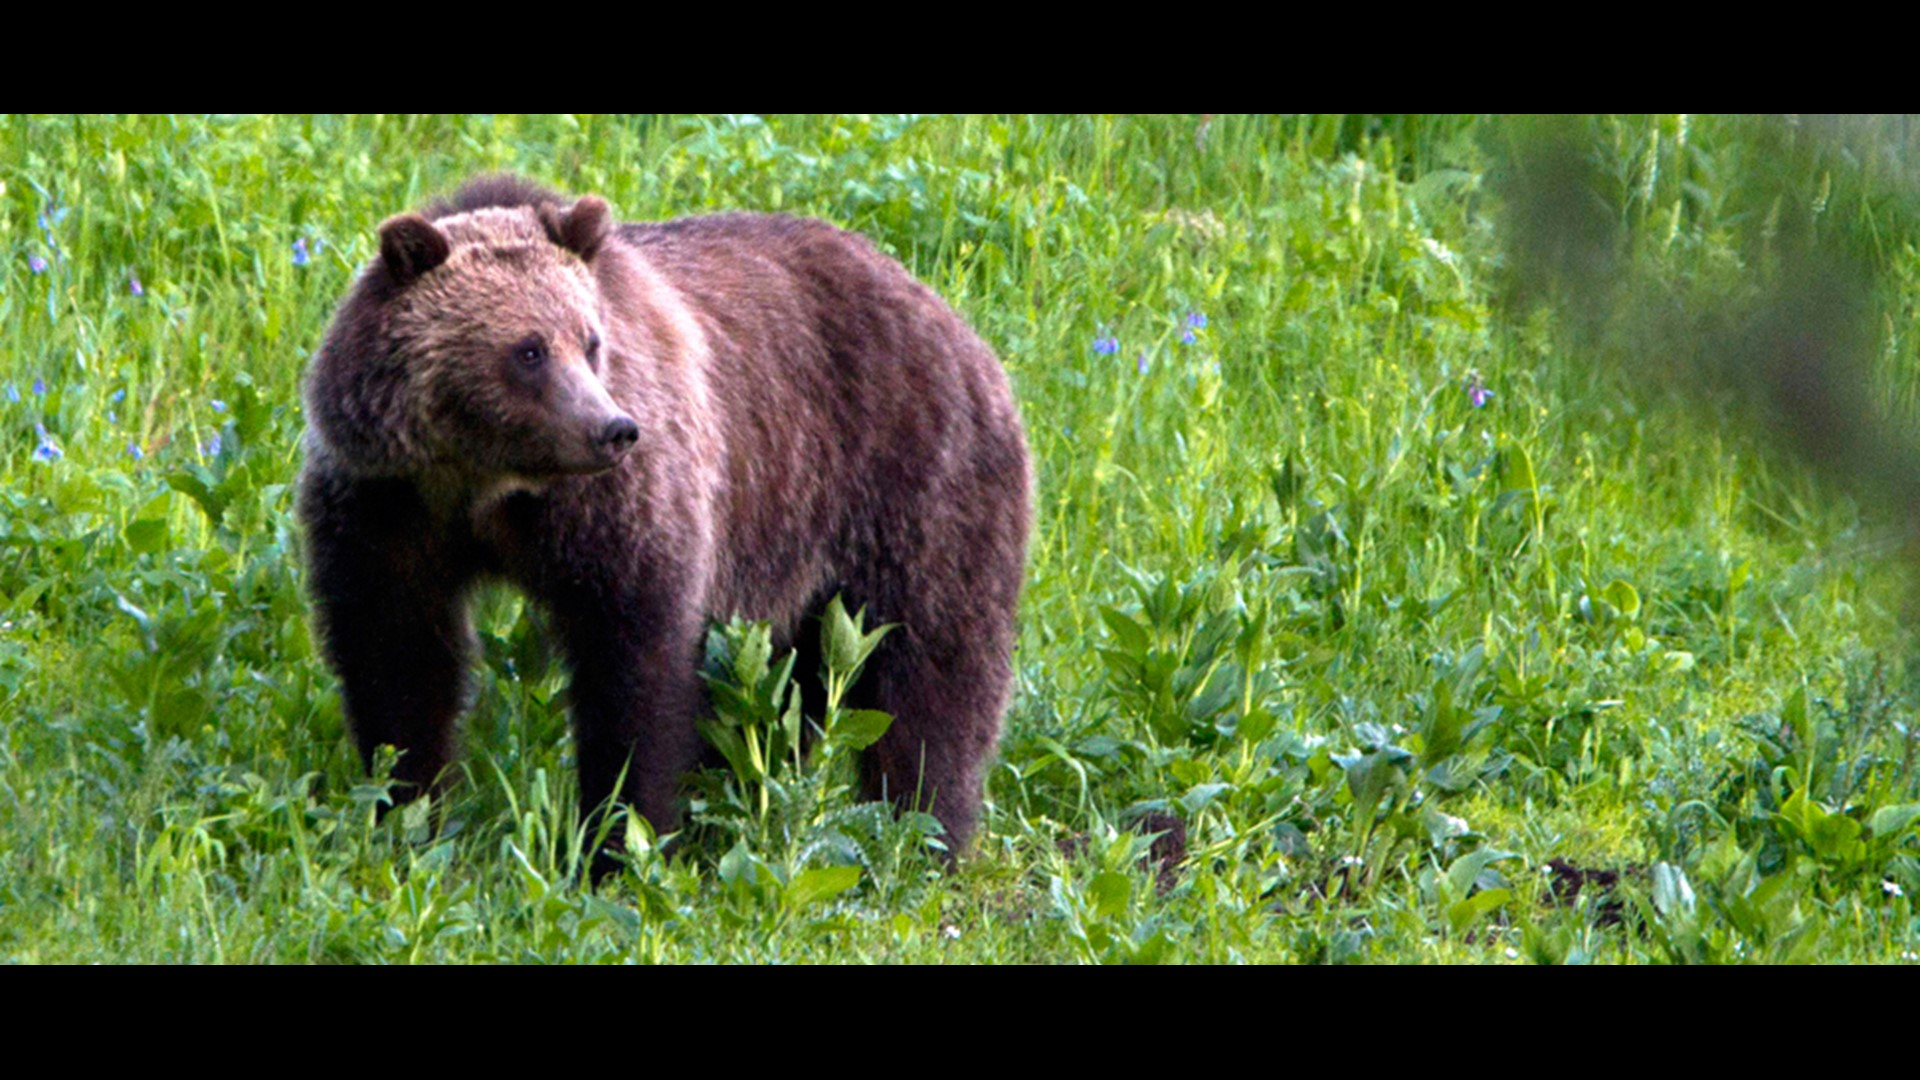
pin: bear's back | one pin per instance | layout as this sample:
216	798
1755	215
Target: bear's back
802	315
851	397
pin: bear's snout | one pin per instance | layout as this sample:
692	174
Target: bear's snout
619	436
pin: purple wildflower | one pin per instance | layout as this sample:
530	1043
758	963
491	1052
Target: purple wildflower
40	387
212	447
1106	346
133	284
36	264
134	451
119	396
1186	337
1141	361
300	256
1196	320
1476	392
46	451
218	405
51	216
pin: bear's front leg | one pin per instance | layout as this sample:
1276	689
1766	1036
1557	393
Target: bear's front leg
636	696
388	594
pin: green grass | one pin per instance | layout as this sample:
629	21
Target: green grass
1385	652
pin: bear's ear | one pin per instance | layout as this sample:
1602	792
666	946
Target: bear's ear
580	228
411	245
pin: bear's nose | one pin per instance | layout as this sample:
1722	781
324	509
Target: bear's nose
620	434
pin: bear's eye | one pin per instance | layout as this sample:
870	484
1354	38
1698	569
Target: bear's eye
593	345
530	353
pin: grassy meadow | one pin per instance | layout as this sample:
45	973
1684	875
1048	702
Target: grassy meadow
1379	609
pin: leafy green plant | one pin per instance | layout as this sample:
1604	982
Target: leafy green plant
758	726
1186	665
1101	905
784	798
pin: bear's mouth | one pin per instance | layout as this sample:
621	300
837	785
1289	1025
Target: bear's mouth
592	467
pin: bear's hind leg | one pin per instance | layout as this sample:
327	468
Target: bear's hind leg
946	696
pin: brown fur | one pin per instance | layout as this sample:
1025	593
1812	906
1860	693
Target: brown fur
811	421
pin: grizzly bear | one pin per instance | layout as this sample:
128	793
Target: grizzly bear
649	427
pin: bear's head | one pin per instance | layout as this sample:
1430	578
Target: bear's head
476	344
